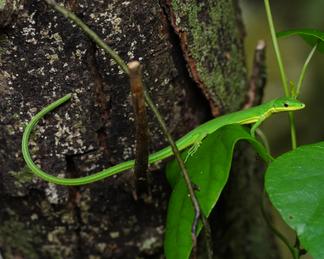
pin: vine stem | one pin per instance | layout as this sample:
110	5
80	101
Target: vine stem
276	48
292	250
300	82
282	71
305	66
185	175
92	35
293	134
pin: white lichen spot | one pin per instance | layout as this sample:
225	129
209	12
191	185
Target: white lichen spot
32	41
127	152
120	71
160	229
130	55
78	54
38	71
34	217
52	58
53	70
80	142
31	71
90	168
165	81
33	110
101	247
114	234
142	37
44	33
148	244
67	116
31	18
29	31
178	20
116	25
110	18
52	194
57	40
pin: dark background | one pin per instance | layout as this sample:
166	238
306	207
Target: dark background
310	121
289	15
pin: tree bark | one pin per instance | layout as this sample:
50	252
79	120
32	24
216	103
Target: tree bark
193	62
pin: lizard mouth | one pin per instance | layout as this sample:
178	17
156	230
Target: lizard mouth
301	106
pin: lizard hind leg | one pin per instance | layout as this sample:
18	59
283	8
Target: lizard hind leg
192	150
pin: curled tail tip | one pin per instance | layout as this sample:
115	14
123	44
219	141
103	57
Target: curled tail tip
68	96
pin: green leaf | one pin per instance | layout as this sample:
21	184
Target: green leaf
208	169
311	36
294	182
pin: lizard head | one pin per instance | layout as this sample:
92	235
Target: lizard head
287	104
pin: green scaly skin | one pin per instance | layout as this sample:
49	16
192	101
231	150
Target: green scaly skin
192	139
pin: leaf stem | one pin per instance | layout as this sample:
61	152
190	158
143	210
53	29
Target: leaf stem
276	48
264	139
292	130
292	250
282	71
303	71
197	210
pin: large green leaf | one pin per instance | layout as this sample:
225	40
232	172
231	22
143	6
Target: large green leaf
208	169
295	184
311	36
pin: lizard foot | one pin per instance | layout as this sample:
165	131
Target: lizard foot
195	146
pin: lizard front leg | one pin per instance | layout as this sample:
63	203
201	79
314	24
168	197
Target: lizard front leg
198	139
256	125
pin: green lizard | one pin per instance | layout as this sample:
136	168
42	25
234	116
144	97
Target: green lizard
192	139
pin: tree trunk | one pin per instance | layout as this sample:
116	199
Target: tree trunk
193	63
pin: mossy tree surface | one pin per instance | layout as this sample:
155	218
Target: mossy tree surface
43	57
211	42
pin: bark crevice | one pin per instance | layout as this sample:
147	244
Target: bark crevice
101	99
195	94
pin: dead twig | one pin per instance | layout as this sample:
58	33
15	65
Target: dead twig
142	180
258	77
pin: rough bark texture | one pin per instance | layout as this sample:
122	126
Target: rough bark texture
43	57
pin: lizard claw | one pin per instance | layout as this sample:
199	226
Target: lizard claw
195	146
252	132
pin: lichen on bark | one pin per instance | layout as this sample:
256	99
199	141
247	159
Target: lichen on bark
212	44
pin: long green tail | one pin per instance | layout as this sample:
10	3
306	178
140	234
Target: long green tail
162	154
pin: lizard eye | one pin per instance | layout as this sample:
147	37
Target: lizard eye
286	104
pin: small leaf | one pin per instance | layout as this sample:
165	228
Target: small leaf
311	36
294	182
208	169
